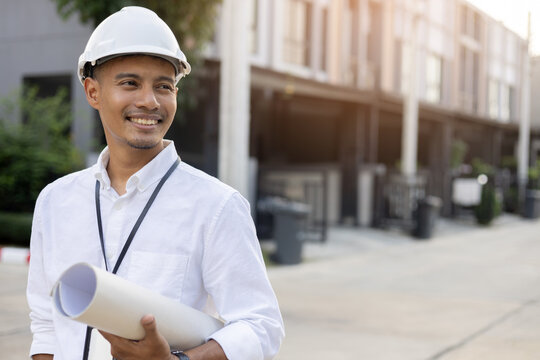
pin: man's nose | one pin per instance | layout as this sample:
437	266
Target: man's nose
147	98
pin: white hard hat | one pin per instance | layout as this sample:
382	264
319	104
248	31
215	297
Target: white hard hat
132	30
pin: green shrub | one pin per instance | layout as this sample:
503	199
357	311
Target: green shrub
511	199
509	162
490	205
458	152
36	151
15	228
533	181
480	167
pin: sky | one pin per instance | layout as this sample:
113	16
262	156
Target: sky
513	13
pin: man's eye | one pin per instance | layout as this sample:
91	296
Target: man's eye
129	83
165	87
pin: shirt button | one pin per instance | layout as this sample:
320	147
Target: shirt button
118	205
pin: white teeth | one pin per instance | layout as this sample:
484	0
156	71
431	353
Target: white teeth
144	121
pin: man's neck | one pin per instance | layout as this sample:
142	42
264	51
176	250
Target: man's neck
125	162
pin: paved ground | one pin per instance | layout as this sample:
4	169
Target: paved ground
469	293
14	331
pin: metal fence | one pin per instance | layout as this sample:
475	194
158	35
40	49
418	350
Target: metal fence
311	190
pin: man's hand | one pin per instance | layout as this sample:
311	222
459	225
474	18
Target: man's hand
152	347
42	357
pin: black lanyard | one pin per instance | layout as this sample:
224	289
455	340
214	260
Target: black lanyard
129	239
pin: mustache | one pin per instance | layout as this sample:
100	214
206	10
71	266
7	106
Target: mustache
151	115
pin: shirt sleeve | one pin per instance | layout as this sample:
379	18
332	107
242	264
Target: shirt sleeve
235	277
37	291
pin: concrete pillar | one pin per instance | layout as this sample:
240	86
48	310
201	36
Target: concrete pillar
233	158
409	137
525	121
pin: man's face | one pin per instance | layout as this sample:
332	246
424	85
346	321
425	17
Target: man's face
136	100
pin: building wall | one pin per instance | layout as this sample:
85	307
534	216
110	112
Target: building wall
468	62
358	44
535	89
35	42
345	59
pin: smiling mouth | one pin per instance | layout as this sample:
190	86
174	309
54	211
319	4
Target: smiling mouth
142	121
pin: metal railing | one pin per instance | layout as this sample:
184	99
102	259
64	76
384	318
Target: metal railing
312	191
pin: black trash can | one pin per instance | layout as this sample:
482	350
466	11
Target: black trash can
288	217
427	213
532	204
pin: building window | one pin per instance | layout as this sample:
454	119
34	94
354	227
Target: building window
433	78
476	26
297	32
254	28
398	64
324	39
351	27
505	103
493	99
468	78
500	101
512	105
48	86
470	22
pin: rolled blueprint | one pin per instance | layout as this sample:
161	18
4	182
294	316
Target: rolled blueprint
107	302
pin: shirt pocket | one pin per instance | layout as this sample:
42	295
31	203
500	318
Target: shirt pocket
159	272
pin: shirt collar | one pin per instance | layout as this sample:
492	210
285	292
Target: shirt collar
142	179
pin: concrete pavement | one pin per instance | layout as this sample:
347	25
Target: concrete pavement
468	293
14	324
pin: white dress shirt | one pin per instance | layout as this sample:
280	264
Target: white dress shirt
197	245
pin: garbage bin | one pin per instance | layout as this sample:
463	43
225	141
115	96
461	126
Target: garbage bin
288	217
532	204
427	213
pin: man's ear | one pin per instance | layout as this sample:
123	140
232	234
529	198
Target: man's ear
92	91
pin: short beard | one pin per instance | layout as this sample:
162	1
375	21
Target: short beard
142	146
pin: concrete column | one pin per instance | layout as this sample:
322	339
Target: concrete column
409	135
234	116
525	121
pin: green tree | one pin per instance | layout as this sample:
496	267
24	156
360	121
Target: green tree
36	151
192	21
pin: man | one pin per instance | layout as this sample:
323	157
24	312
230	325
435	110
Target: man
196	243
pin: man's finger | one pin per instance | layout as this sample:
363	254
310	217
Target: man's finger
148	322
109	337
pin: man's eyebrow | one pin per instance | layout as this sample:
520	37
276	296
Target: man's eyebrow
126	75
165	78
138	77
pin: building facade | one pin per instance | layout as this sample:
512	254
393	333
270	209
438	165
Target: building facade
38	48
328	80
